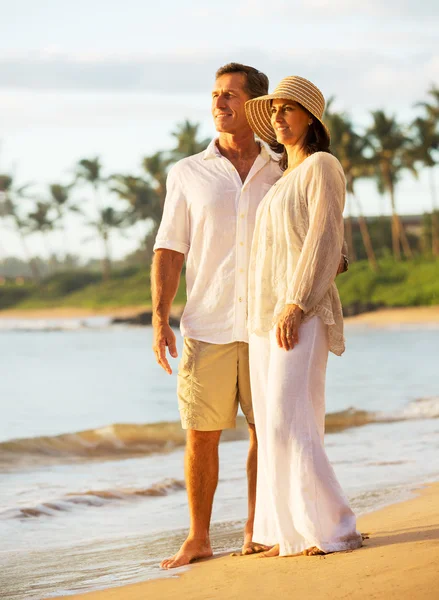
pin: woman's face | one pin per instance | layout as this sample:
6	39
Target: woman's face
290	121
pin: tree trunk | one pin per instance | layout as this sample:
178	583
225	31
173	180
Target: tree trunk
50	265
404	241
66	237
106	261
435	234
434	216
395	226
30	261
349	236
366	237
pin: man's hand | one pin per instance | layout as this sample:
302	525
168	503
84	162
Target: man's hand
164	337
287	329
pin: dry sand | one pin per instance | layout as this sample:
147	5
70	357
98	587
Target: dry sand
66	312
413	315
400	561
391	316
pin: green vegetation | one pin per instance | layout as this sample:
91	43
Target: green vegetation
394	260
412	283
83	289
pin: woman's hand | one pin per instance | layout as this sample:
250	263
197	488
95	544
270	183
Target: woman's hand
287	328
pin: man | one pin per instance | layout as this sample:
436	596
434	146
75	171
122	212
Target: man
208	219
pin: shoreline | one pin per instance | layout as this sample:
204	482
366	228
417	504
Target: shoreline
399	560
390	316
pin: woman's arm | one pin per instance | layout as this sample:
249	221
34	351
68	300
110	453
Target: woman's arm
319	261
320	256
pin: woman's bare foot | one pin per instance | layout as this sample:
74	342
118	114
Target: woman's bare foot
251	547
314	551
191	549
274	551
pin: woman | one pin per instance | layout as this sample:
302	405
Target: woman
295	319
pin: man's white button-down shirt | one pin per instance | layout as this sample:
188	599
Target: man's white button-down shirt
209	216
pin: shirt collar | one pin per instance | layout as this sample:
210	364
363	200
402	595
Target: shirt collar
212	150
266	152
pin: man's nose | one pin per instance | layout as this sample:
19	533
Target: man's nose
219	101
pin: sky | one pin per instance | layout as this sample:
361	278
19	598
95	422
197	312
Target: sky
112	79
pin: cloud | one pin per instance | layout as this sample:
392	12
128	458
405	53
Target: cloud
360	80
336	10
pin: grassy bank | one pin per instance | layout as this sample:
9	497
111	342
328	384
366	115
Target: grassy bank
414	283
403	284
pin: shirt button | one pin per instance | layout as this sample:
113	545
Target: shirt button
242	215
240	299
241	270
241	243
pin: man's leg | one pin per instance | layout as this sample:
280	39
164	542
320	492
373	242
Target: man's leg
201	469
249	546
252	467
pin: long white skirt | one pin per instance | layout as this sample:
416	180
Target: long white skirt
299	502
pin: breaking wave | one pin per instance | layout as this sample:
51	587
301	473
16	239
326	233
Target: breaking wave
92	498
121	441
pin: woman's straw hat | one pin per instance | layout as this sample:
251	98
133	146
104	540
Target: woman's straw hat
296	88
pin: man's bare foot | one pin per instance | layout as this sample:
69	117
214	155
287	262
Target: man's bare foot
314	551
249	546
274	551
190	550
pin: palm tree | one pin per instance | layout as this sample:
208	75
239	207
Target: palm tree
432	107
349	148
144	205
10	196
426	135
89	171
60	199
156	167
108	220
39	220
142	198
391	155
186	135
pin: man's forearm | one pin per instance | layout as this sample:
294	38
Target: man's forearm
165	277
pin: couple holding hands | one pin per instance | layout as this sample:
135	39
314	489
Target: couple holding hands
259	222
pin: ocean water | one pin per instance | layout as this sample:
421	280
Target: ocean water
91	452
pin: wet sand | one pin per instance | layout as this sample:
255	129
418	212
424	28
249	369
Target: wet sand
399	561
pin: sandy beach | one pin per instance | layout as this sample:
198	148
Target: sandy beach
67	312
399	560
414	315
391	316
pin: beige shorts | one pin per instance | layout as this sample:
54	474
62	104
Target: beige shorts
213	379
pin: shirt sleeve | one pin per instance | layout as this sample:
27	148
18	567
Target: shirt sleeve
324	191
174	230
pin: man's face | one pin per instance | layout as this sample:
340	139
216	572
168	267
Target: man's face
228	100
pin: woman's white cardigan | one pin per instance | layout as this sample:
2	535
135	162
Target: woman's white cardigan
297	246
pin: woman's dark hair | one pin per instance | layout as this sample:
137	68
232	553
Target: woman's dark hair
316	140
